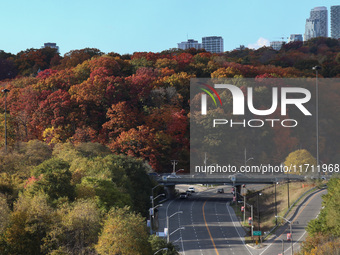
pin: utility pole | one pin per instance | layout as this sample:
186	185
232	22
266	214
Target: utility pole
316	68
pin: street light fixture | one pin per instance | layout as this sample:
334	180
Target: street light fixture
5	91
167	224
152	204
180	170
316	68
245	157
151	213
181	228
163	249
291	231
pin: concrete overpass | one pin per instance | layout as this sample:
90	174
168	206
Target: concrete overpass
233	180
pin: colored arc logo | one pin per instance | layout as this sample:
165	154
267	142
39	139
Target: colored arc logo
211	95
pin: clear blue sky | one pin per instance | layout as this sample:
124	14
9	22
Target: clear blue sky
126	26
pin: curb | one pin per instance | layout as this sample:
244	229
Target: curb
290	209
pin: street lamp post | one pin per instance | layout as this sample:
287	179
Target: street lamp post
251	216
5	91
163	249
179	170
245	157
152	199
275	202
181	228
258	210
152	204
167	224
291	231
151	213
316	68
288	190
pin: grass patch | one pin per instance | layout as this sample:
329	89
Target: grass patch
267	204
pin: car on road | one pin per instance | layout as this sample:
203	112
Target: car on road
220	190
183	195
191	189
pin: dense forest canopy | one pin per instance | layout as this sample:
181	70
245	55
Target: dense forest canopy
138	104
85	129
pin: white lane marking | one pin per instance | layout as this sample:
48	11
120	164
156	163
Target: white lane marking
237	230
293	241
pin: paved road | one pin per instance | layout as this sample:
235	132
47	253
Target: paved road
210	224
211	227
308	209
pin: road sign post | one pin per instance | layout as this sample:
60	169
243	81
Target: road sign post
257	233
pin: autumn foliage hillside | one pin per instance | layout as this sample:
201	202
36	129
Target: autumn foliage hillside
136	104
84	129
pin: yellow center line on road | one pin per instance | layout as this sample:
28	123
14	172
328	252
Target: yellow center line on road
206	225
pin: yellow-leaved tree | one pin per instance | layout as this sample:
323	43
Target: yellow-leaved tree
301	162
124	233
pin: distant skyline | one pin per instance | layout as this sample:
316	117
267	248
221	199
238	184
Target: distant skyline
150	25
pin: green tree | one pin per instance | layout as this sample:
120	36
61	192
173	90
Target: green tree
106	191
75	229
36	152
328	222
54	178
4	215
134	178
124	233
10	186
301	161
29	222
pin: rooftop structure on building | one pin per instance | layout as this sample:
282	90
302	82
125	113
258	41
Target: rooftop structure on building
295	38
189	44
51	45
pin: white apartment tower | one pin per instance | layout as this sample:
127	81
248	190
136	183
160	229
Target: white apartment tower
335	22
213	44
276	45
312	29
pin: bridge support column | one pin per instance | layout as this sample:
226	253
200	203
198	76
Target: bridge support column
170	191
238	191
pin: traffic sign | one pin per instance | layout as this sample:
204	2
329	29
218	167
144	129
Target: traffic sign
257	233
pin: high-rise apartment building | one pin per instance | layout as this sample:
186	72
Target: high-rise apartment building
335	21
276	45
213	44
312	29
295	38
189	44
317	24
